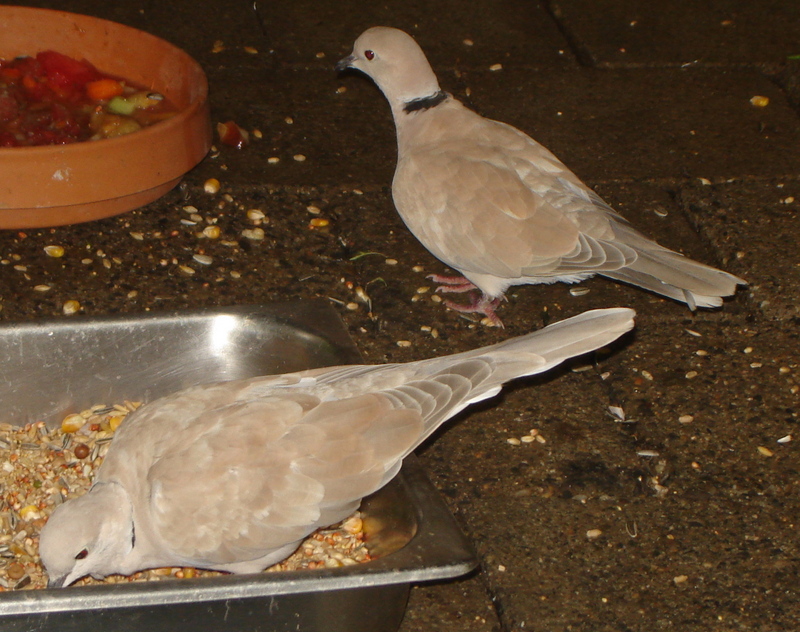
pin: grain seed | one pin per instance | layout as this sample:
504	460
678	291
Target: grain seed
54	251
71	307
211	186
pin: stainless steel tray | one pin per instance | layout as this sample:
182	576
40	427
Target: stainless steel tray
51	368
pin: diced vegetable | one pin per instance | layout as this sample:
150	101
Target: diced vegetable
104	89
52	99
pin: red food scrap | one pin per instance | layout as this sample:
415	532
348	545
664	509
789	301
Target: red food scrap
232	135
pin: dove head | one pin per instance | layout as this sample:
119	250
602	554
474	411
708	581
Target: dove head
396	63
90	535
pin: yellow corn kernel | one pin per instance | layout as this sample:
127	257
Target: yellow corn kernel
72	423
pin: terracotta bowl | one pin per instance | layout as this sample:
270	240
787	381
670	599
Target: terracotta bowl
67	184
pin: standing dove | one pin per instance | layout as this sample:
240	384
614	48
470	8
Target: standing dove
492	203
232	476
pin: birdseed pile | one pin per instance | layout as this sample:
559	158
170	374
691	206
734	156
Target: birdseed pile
40	468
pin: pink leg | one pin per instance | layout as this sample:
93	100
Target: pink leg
477	305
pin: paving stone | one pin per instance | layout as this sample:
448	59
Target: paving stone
660	123
636	32
757	222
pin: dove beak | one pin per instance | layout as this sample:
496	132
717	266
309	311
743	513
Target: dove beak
57	582
345	63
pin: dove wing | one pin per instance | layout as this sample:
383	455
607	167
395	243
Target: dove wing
488	199
256	475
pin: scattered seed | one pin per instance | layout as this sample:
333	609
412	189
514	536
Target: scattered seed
403	343
41	288
70	307
785	439
187	270
212	232
660	212
319	222
254	234
54	251
759	101
686	419
692	332
513	441
352	306
203	260
496	67
273	160
528	439
250	50
137	236
391	262
211	186
647	453
255	215
701	352
647	375
680	579
748	350
617	412
579	291
764	451
593	534
691	374
299	157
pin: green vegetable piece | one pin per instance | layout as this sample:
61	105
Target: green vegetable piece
121	105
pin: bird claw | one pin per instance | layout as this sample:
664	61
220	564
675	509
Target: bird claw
483	305
454	284
459	284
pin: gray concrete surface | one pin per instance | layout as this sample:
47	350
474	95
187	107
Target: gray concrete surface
698	525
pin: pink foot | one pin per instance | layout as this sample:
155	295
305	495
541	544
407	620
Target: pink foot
451	283
483	305
477	305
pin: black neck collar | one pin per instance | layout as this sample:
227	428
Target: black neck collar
425	103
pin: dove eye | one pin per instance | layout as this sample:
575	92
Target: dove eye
369	55
82	554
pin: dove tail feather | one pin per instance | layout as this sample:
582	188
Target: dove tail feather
680	278
446	386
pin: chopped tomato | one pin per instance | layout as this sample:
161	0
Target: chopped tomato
52	99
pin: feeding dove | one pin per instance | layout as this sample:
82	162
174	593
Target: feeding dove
233	476
494	204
